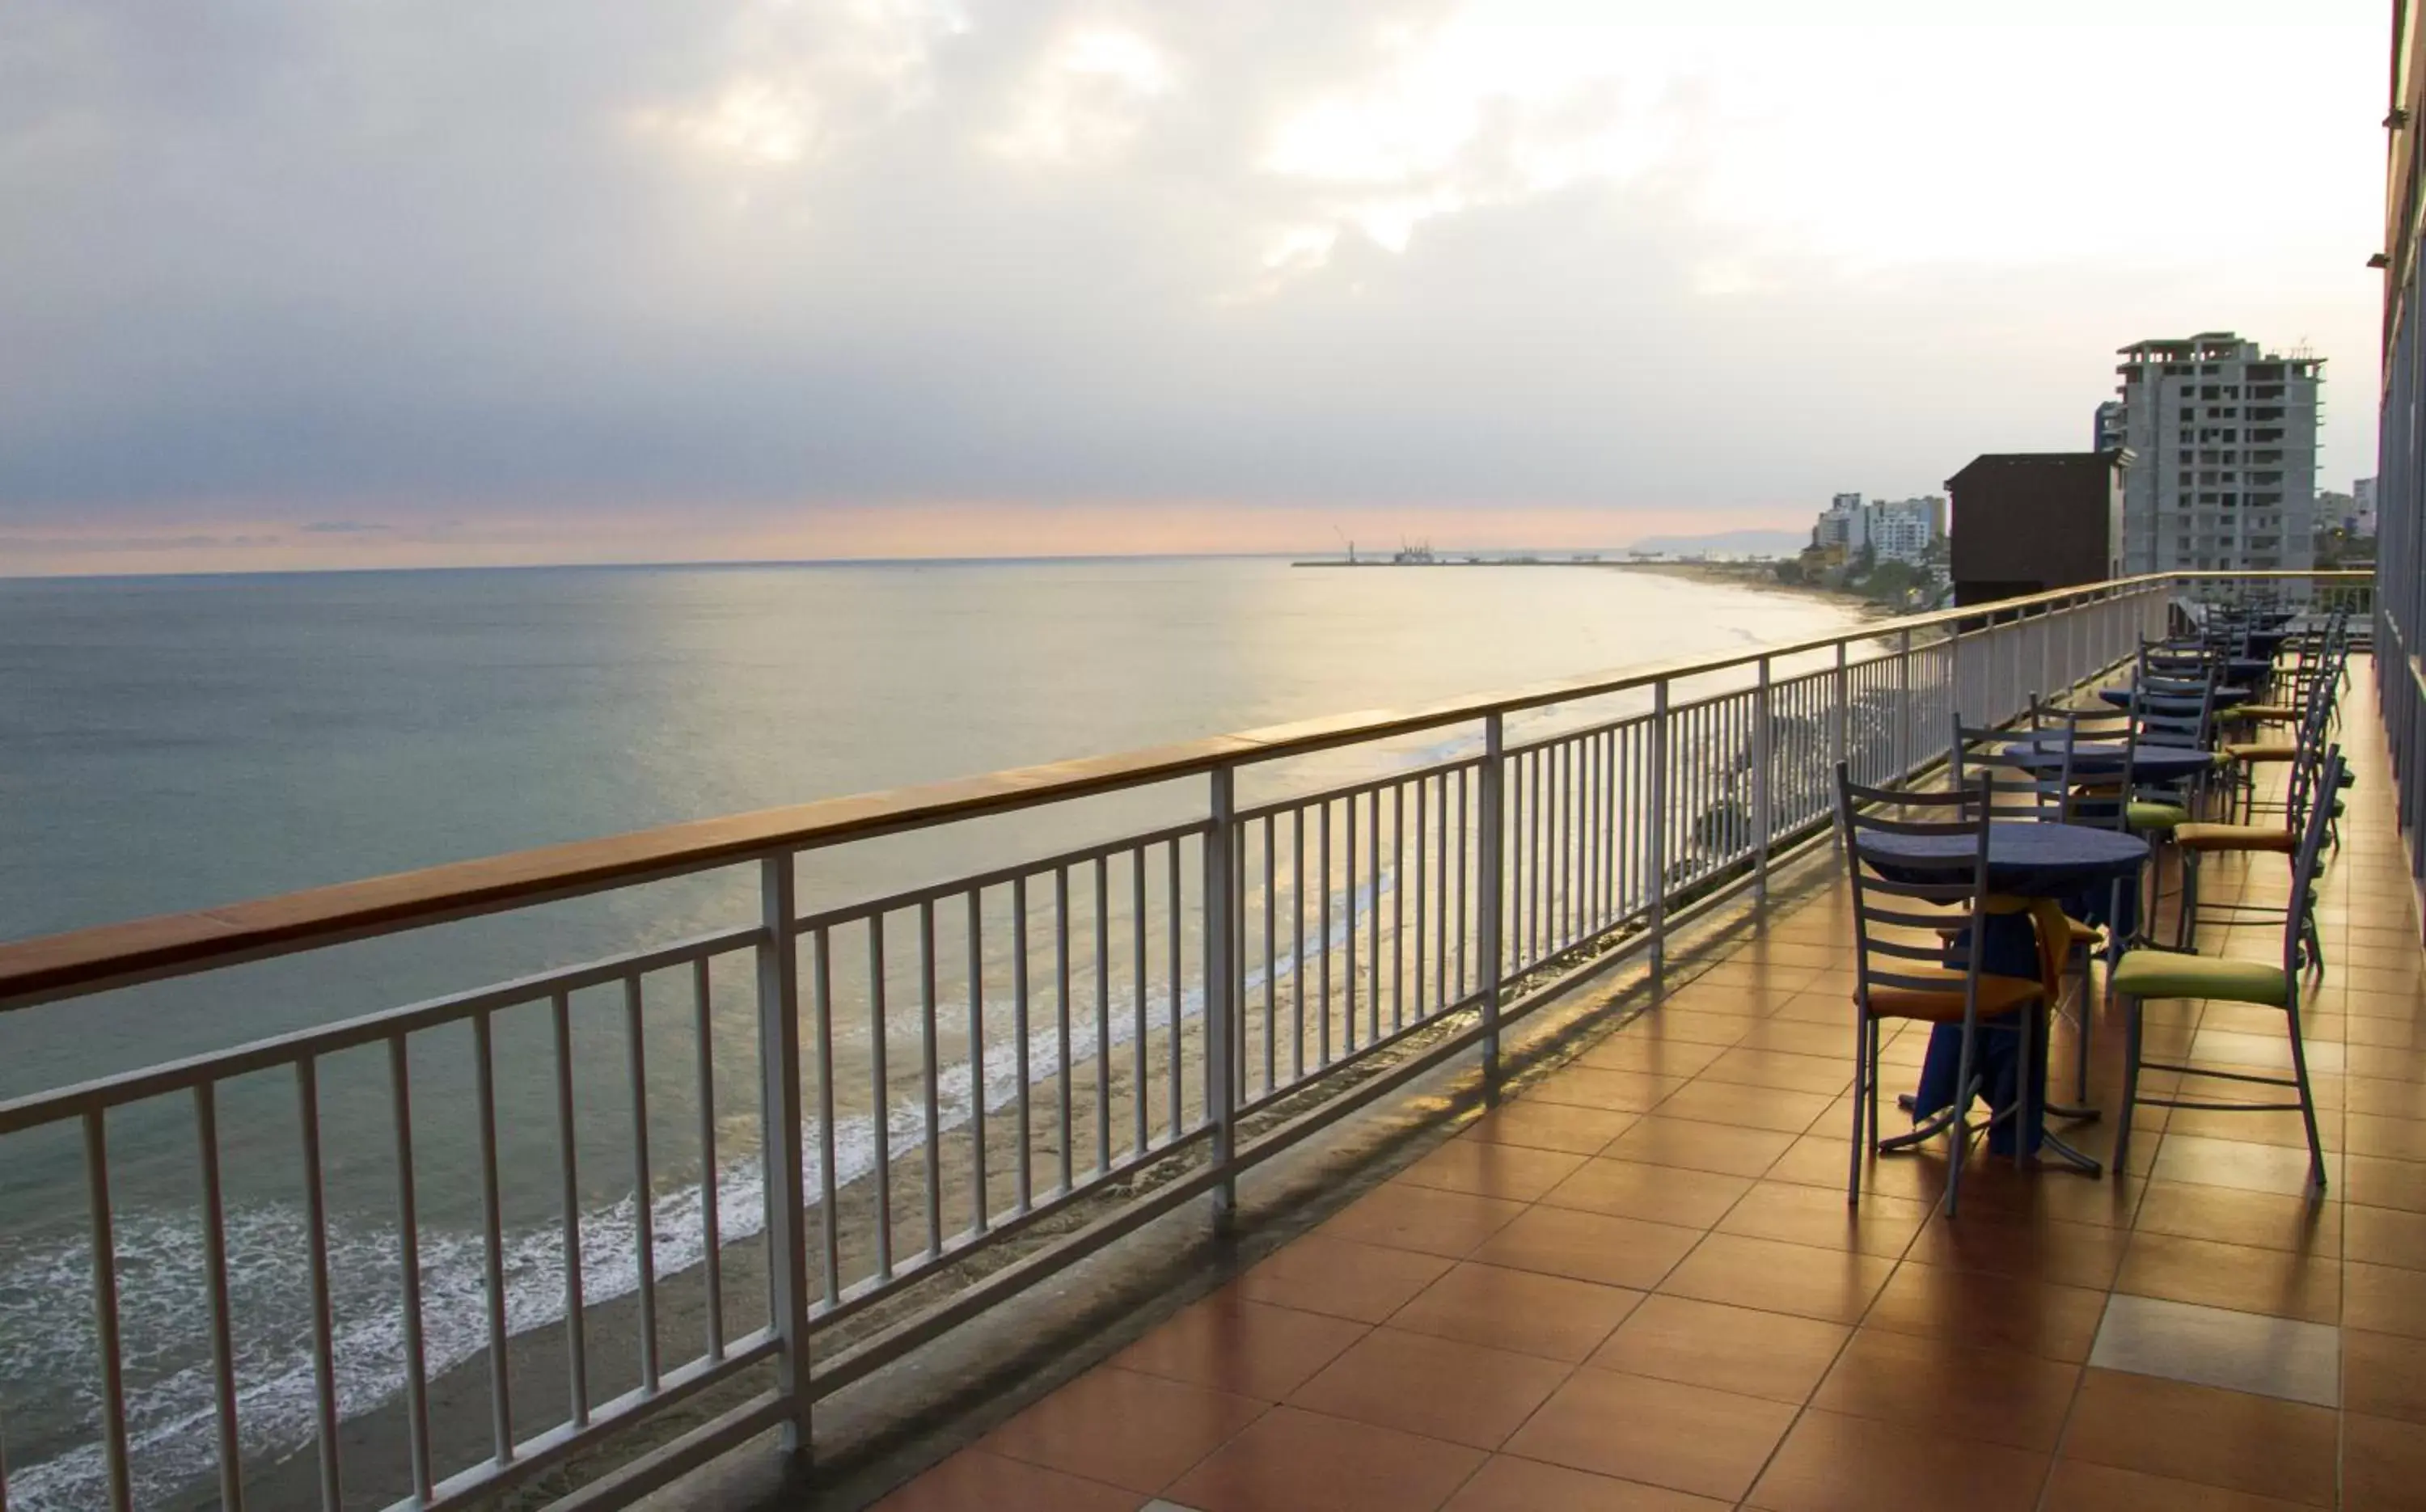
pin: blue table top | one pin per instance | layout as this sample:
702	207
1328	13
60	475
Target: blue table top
2225	697
2025	859
2149	764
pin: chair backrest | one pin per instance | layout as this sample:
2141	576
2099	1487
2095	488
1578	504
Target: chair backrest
2026	772
2324	787
2174	711
1918	864
2096	790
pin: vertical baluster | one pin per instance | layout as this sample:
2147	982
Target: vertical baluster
1373	913
1178	986
1271	959
408	1224
1322	862
981	1219
104	1309
1220	985
711	1222
1026	1178
1464	915
829	1179
1348	1033
576	1332
492	1245
1441	998
229	1445
644	1218
1397	901
1421	875
1103	1015
324	1329
1658	868
1296	950
1491	891
1138	995
879	1097
932	1078
1064	1109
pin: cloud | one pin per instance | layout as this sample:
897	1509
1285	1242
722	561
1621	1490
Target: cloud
398	263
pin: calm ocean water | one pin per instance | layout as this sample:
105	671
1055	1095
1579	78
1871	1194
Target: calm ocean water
167	744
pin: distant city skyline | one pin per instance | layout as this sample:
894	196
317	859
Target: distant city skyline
458	283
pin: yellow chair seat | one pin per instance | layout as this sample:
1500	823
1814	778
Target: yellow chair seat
2083	933
2267	752
1999	996
2156	974
2272	713
2235	837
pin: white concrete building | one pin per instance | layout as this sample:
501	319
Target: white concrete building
2362	520
1902	532
2224	436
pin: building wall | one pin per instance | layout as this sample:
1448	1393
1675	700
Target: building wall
2032	522
2225	437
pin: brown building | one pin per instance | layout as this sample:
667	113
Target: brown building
2028	521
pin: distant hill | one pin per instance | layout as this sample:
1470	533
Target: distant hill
1729	542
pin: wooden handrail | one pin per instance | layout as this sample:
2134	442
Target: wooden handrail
82	961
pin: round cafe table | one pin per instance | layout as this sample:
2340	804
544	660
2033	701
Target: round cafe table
2070	868
2149	764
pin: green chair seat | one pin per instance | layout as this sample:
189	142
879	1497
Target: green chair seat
2145	816
2157	974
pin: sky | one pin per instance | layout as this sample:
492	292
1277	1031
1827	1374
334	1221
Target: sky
387	282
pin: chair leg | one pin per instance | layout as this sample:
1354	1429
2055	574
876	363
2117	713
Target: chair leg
1862	1080
2130	1084
2307	1102
2023	1022
1958	1129
2186	926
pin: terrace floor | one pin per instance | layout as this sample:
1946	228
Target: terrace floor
1638	1285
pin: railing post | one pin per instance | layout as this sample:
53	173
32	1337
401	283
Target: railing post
1222	986
1760	783
1492	886
1839	725
779	1058
1903	731
1658	839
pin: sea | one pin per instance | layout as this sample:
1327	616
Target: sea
174	743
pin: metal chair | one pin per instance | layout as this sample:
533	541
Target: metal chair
1901	969
2157	974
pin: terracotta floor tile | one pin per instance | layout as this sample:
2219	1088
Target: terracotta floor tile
1880	1225
1833	1285
2272	1281
1704	1147
2367	1133
2383	1463
1165	1426
1589	1085
2196	1433
1298	1461
1362	1282
1725	1348
2383	1300
1779	1068
2386	1061
1992	1187
1738	971
1684	1437
975	1481
2383	1236
1513	1172
1421	1218
2267	1220
1589	1247
1820	1159
2069	1254
2383	1376
1553	1316
1649	1056
1507	1484
1832	1463
1934	1384
2078	1486
1663	1194
1440	1388
1240	1347
2385	1183
1828	1007
2285	1128
1830	1042
1745	1106
2250	1167
1692	1028
1987	1310
2374	1094
1539	1125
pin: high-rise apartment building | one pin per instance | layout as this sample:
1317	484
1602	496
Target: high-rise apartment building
2224	436
1902	532
2108	436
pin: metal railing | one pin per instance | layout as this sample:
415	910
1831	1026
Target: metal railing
522	1222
